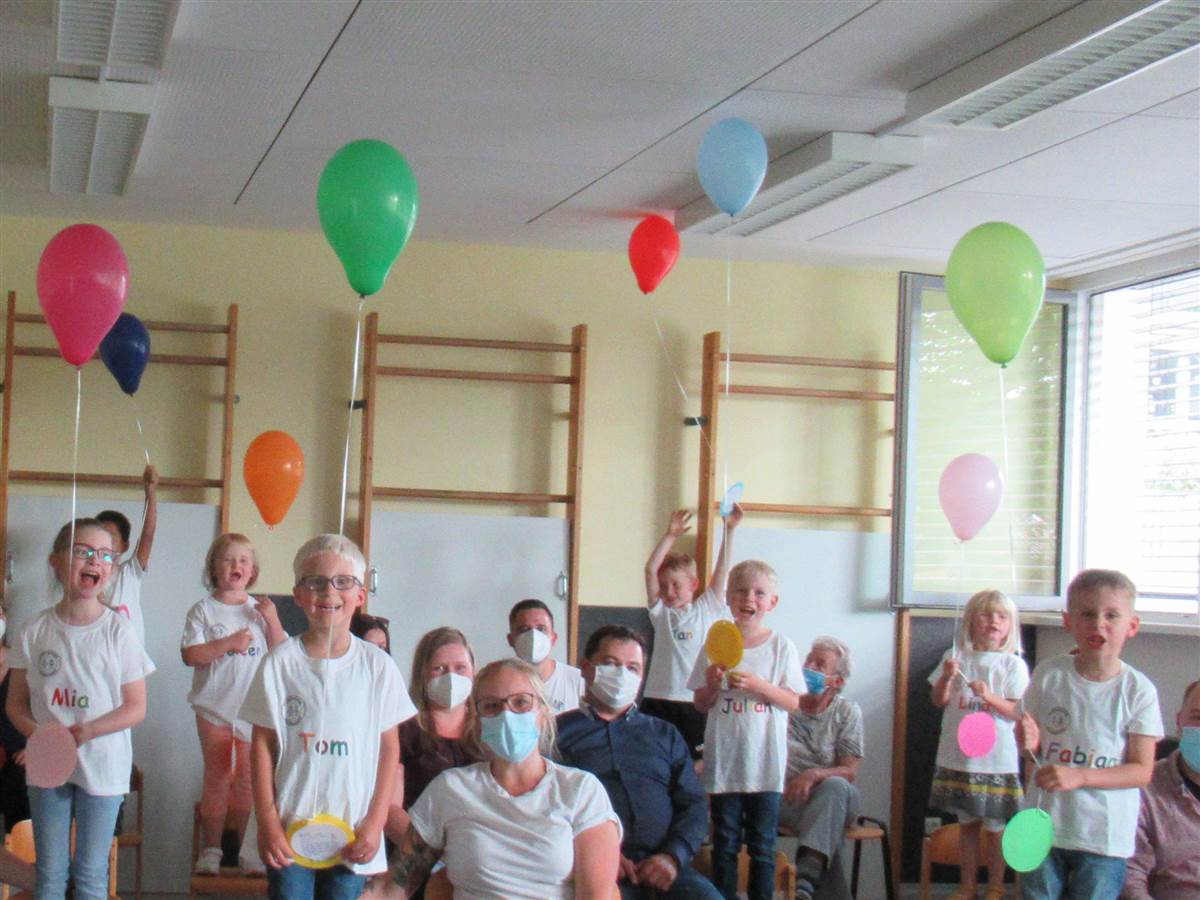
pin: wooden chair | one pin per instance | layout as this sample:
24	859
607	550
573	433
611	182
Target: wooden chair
135	837
942	847
867	829
20	842
229	882
785	872
438	886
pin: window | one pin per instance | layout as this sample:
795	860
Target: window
949	403
1141	503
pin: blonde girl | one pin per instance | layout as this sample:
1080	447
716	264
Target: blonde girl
982	672
81	665
225	637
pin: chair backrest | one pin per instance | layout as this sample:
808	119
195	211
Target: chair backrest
20	841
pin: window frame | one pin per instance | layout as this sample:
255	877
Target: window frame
903	594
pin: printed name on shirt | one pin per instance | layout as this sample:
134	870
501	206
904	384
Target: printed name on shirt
252	650
684	635
973	704
69	697
323	747
730	705
1063	755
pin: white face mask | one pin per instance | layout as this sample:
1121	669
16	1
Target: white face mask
615	686
448	690
532	646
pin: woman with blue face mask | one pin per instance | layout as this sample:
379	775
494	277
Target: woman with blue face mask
516	825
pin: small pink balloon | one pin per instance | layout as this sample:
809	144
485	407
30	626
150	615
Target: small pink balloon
970	490
976	734
82	280
50	756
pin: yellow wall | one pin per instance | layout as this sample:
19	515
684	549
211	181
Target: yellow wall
296	346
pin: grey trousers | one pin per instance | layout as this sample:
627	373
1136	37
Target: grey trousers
820	824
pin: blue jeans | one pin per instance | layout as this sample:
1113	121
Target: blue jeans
757	816
1075	874
95	818
688	885
295	882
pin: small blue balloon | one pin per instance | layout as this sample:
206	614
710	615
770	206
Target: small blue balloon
125	351
1189	747
732	496
732	164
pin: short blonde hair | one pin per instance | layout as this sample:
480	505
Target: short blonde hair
217	547
547	730
336	544
986	601
750	568
677	562
1095	579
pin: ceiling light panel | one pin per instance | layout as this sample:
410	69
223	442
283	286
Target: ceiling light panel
96	130
114	33
1152	35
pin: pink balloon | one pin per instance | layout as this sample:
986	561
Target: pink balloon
976	734
969	491
50	756
81	283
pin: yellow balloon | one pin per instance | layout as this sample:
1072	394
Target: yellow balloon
723	644
317	842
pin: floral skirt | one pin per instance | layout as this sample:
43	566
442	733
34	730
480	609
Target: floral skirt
976	794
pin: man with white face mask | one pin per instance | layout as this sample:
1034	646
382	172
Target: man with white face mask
644	764
531	634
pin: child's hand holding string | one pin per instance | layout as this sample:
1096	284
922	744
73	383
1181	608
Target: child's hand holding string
364	846
273	846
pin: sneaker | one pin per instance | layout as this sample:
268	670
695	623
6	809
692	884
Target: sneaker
252	868
209	861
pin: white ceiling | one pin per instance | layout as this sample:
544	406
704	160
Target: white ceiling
558	124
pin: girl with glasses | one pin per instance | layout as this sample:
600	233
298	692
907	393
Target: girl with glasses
515	825
81	665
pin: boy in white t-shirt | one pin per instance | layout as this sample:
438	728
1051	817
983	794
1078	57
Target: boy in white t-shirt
325	707
531	634
1092	721
681	621
125	585
745	740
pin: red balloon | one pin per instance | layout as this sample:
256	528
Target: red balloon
653	249
82	280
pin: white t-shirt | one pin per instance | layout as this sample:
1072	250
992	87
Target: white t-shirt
497	845
331	769
745	740
219	688
125	594
1006	676
75	675
678	639
564	687
1086	723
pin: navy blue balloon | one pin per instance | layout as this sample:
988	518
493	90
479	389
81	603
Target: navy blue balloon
125	351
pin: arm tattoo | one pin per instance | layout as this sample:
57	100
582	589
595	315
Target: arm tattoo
415	862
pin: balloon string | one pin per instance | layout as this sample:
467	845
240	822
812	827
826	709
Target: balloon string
679	384
137	417
728	348
318	791
350	414
1012	548
958	606
74	470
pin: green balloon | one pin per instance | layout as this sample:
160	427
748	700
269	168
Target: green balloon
996	280
1027	839
367	201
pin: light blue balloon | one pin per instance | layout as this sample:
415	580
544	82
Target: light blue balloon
732	496
1189	747
732	164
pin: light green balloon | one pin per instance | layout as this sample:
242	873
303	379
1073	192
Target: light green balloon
996	280
367	201
1027	839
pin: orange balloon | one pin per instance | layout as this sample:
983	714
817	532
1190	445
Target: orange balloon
273	469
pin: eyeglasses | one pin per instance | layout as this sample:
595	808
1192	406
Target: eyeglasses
318	583
493	706
83	551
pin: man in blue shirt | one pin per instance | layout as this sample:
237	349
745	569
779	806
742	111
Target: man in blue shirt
644	765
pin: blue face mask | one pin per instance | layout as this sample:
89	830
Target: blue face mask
512	736
1189	747
814	681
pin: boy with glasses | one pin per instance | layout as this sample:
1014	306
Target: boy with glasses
325	709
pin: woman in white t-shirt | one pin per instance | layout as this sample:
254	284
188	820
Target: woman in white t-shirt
516	825
225	637
982	672
80	665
